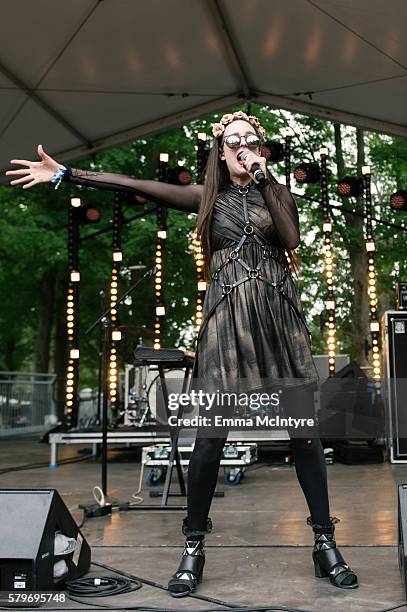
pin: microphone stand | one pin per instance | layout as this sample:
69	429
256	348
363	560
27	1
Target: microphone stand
105	323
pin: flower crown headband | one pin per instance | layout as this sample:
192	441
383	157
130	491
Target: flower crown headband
219	128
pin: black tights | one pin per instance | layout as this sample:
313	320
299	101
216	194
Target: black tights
203	474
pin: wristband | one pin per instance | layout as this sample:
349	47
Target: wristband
59	176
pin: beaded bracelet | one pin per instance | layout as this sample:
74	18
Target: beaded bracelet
58	177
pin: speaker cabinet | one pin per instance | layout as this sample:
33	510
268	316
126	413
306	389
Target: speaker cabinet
402	535
394	342
29	522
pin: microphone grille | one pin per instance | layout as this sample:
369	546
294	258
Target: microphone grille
242	155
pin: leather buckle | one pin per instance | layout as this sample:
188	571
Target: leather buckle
248	229
234	254
226	289
254	273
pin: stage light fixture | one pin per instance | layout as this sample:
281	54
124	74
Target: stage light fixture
398	200
350	186
273	151
307	173
89	214
180	176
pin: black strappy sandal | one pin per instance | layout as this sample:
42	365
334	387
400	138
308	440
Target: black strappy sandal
328	561
190	569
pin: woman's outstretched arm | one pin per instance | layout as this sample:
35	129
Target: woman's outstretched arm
185	198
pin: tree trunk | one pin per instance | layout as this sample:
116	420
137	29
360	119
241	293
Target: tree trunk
45	321
354	241
40	398
10	354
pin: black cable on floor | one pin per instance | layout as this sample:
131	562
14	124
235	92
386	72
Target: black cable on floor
36	466
101	586
226	606
115	585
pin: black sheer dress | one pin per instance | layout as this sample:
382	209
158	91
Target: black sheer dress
253	332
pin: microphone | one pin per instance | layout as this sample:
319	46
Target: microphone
255	169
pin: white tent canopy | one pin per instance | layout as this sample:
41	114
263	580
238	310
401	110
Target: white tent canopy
82	75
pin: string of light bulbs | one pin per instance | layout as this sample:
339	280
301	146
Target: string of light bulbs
159	255
72	315
201	283
116	336
328	262
370	245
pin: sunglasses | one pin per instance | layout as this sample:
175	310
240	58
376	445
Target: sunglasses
233	141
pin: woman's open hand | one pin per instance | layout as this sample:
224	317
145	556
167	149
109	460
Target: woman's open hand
34	172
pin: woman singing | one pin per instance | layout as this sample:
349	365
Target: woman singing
253	326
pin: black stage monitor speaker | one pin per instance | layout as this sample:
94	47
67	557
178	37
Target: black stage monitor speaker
402	539
394	342
349	406
40	544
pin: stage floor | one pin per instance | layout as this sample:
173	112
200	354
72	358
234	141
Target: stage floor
259	553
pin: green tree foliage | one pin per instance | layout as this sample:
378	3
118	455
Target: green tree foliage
33	240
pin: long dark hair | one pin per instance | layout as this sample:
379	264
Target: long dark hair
217	180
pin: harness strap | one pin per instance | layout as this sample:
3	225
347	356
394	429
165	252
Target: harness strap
278	286
216	304
229	289
252	273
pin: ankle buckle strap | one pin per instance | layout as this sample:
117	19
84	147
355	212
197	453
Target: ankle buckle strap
196	532
323	528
